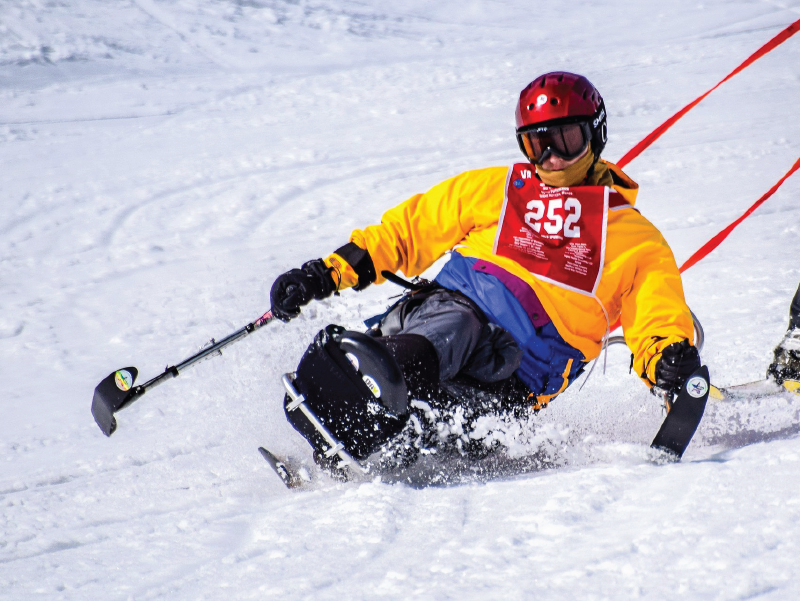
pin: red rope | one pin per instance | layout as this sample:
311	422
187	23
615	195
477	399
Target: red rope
717	240
709	246
656	133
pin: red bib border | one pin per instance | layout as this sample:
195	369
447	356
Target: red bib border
557	234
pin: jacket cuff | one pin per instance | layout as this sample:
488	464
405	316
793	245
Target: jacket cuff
343	274
353	266
652	356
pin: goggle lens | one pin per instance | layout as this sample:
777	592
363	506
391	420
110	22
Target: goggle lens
566	141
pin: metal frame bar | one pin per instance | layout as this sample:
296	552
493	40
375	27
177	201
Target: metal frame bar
335	447
700	335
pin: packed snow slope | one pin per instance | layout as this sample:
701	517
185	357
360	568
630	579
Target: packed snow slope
162	161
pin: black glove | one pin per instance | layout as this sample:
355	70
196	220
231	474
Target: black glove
678	361
297	287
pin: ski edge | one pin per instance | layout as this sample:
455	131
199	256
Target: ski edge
279	467
753	390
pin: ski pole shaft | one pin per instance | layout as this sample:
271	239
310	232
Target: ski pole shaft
117	391
174	371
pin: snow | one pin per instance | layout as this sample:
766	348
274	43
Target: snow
164	160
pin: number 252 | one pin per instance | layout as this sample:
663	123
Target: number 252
555	223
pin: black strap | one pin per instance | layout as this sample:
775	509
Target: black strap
396	279
360	261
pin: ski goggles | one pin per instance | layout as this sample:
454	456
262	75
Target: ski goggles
566	141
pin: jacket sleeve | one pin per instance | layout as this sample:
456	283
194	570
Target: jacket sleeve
654	311
417	232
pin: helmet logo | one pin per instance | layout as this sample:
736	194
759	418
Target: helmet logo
541	99
600	117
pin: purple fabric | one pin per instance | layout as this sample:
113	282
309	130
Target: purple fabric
520	289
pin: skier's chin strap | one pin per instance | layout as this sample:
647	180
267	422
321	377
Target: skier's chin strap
604	342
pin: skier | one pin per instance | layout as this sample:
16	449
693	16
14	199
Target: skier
785	365
547	254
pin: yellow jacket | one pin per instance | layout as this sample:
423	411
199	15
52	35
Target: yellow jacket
640	281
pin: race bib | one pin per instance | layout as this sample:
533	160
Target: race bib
558	234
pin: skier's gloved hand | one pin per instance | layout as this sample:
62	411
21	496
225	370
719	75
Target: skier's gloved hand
297	287
678	361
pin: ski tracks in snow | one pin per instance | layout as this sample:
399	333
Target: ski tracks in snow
164	18
133	240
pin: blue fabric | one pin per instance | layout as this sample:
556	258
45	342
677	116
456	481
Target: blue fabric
546	353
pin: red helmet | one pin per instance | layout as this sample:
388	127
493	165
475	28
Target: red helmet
559	99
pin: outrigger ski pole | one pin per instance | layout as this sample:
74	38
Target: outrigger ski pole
117	391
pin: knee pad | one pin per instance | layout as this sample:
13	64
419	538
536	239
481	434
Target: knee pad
355	388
